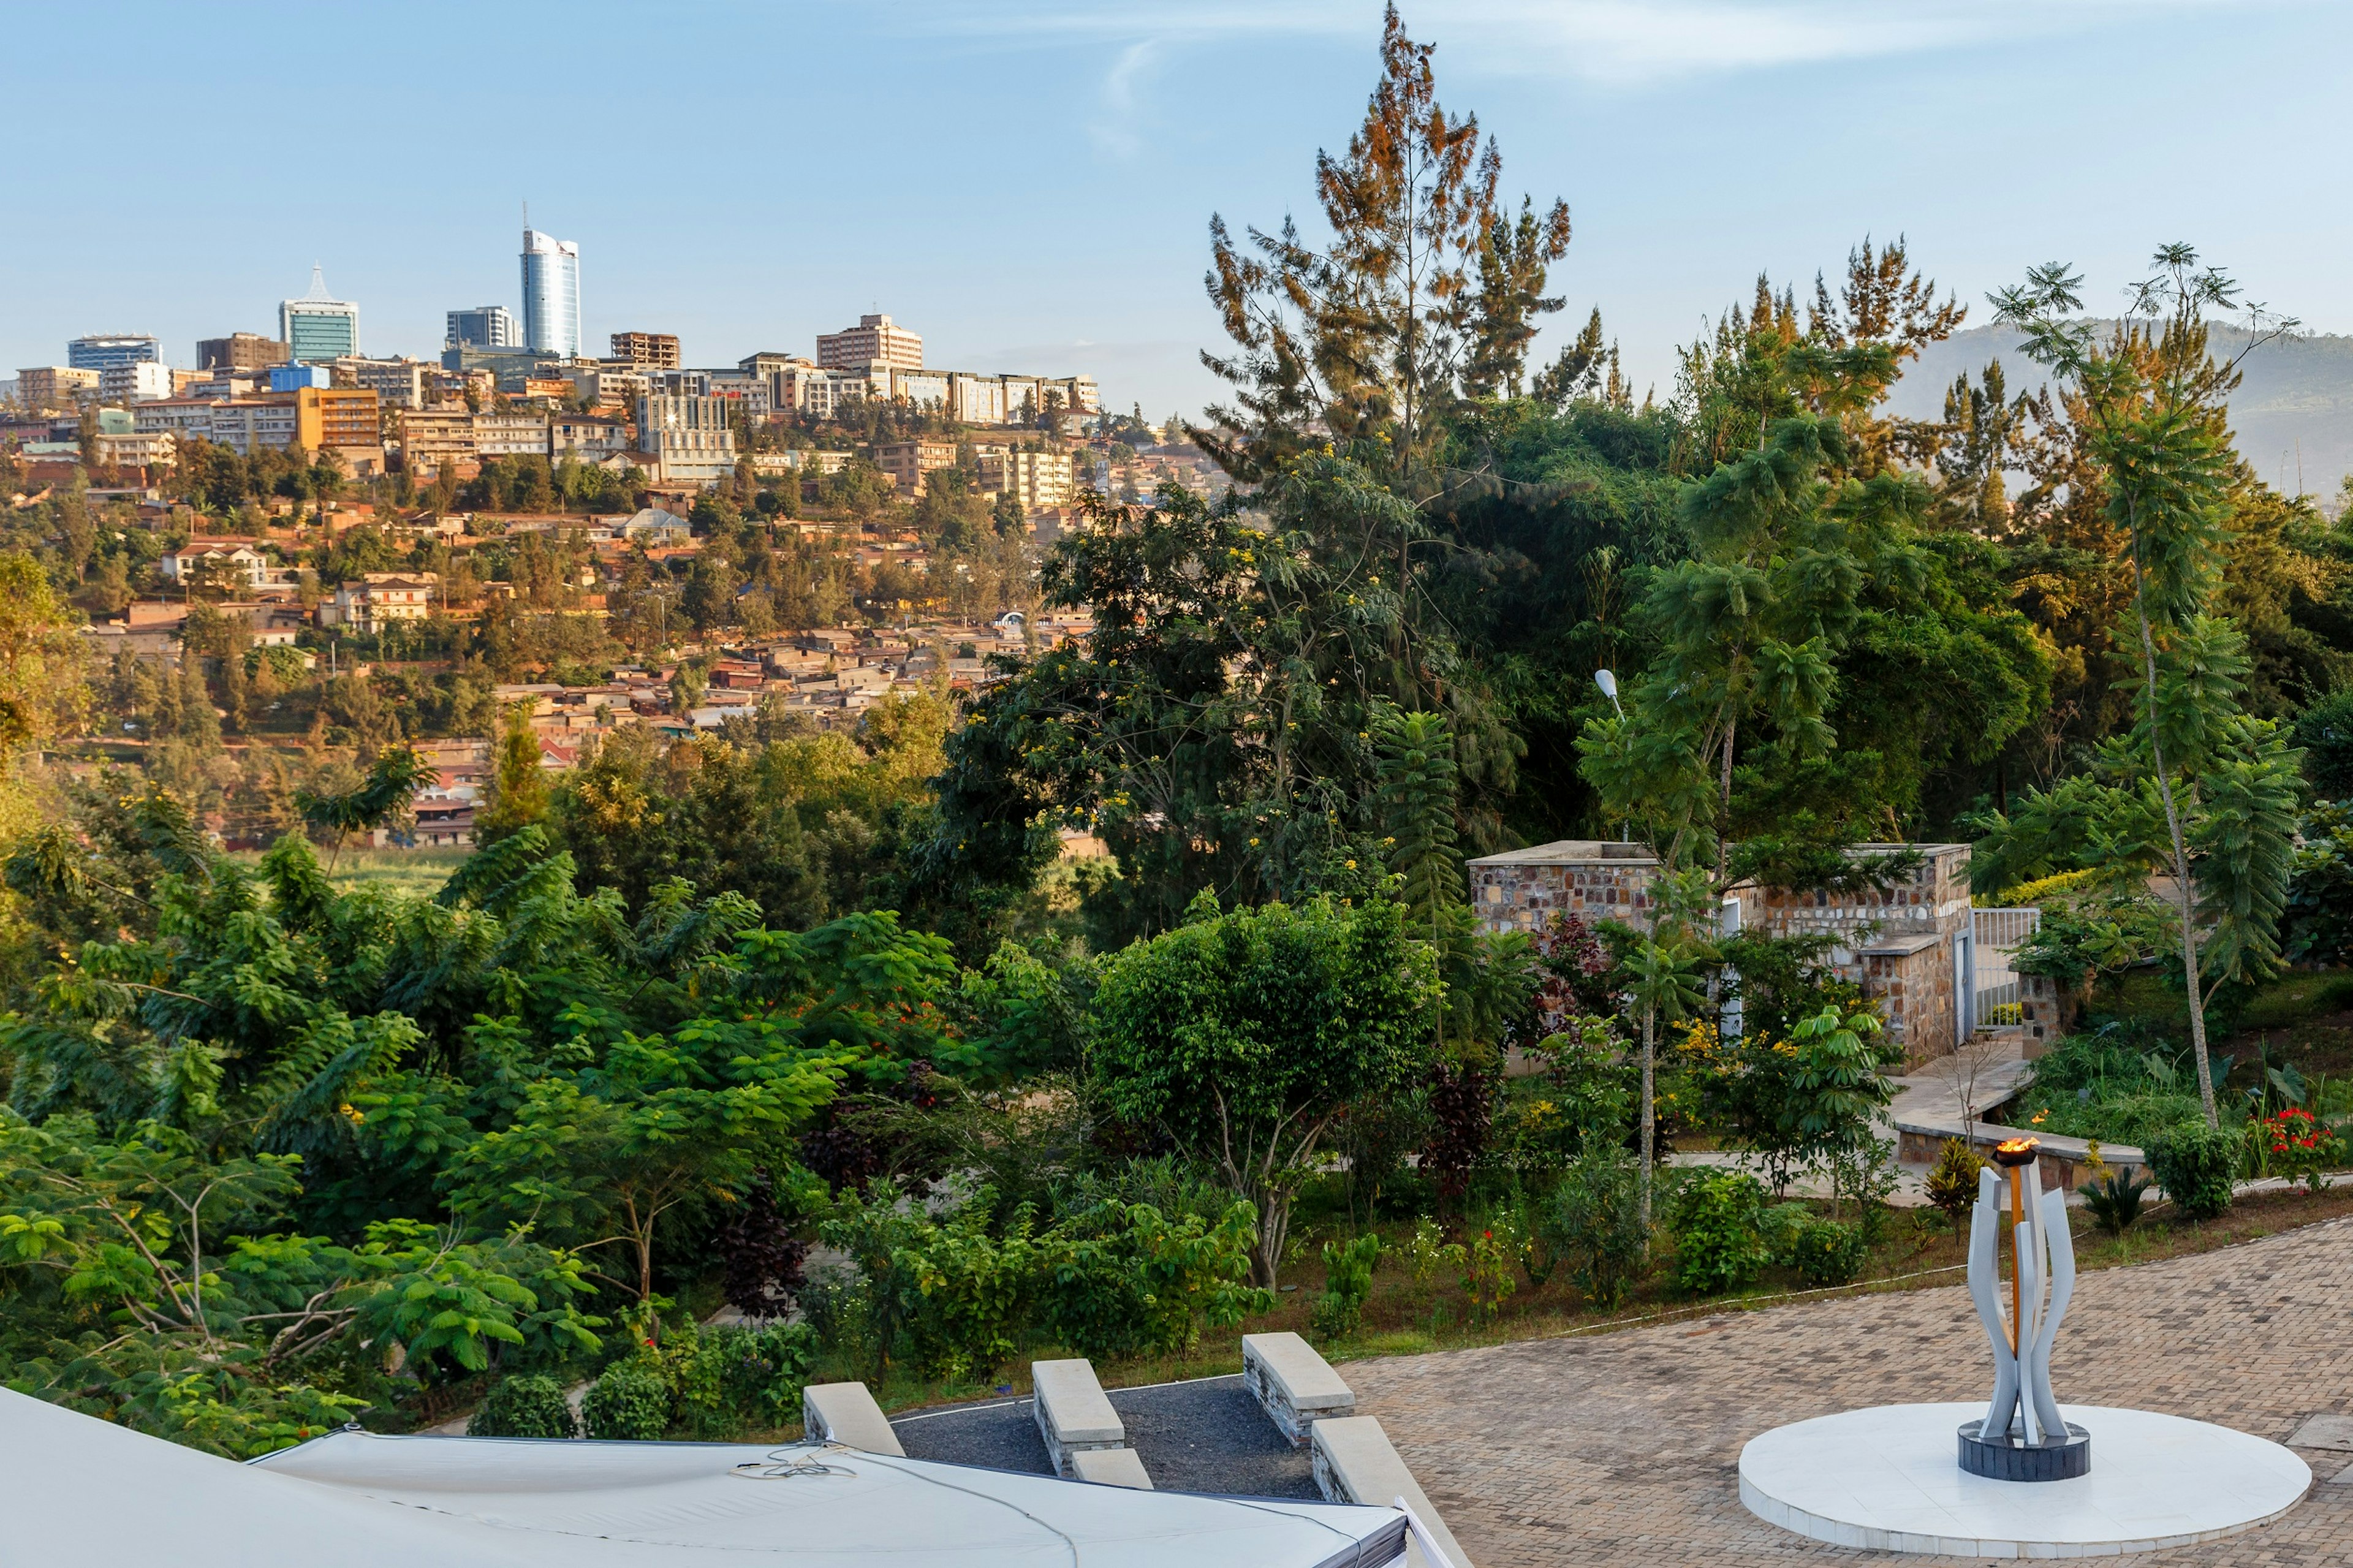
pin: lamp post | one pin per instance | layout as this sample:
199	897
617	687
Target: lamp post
1607	681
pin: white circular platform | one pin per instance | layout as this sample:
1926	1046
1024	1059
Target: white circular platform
1889	1478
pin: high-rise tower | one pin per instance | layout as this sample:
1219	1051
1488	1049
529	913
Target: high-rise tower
317	328
550	294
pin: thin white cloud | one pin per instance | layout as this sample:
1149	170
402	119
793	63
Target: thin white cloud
1114	127
1626	43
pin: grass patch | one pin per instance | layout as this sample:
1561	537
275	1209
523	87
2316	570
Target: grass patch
420	872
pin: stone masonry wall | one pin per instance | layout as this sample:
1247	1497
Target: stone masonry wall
1912	979
1914	992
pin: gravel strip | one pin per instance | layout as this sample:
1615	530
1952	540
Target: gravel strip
1205	1435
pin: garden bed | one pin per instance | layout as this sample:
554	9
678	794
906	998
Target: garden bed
1403	1318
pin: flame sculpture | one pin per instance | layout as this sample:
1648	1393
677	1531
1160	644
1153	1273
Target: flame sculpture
2022	1437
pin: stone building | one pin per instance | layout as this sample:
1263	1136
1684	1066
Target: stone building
1912	946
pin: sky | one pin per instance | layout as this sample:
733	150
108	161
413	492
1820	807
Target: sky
1029	185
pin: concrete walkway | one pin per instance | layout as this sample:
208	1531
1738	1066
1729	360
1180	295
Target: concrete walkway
1920	1096
1621	1449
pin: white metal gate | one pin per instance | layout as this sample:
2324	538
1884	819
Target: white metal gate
1996	935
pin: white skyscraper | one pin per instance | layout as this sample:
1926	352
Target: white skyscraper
550	294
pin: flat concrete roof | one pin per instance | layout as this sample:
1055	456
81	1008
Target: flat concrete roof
1597	851
1573	852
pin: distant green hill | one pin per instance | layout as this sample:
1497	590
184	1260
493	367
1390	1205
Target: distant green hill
2295	405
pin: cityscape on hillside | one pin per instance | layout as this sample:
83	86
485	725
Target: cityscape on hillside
329	505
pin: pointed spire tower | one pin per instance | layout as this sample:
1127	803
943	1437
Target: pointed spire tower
319	327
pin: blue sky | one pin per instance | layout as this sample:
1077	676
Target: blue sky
1028	184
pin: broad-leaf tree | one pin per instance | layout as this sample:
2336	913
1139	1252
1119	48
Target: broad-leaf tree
1243	1035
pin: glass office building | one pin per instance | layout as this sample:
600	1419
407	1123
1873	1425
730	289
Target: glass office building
317	327
483	327
110	351
550	294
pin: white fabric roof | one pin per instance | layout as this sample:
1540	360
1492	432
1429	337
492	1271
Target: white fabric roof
352	1499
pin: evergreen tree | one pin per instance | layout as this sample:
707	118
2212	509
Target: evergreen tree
517	788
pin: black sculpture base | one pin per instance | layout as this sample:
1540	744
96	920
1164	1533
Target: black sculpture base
2008	1459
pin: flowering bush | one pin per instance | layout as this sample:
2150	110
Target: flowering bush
2296	1143
1488	1264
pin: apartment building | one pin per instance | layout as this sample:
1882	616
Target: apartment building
397	382
1017	399
1036	481
240	351
876	340
55	386
804	388
379	599
516	433
222	384
977	399
922	388
231	559
908	461
250	425
747	392
609	388
587	438
348	420
178	417
692	439
141	450
434	440
135	381
655	351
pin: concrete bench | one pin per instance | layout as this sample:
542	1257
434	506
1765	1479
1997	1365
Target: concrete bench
1110	1467
846	1414
1295	1386
1355	1462
1073	1416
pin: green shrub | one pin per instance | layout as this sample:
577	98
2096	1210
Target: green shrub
1953	1184
968	1296
1592	1221
532	1407
1122	1279
629	1403
2195	1165
838	1304
1719	1238
767	1368
1348	1282
1830	1252
1781	1226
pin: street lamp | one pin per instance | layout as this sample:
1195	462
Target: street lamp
1608	684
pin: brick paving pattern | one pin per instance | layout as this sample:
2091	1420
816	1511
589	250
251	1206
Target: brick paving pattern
1622	1448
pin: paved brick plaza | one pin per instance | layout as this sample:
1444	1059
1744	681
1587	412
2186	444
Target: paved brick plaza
1621	1449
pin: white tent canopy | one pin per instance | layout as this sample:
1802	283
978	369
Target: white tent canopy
352	1499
